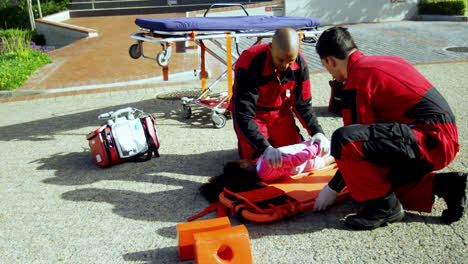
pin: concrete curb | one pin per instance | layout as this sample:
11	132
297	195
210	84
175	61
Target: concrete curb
441	18
16	93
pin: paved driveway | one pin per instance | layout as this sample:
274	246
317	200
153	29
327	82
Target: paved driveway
59	207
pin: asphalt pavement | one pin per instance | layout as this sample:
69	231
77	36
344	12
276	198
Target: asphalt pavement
59	207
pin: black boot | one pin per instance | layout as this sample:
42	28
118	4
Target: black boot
452	188
376	213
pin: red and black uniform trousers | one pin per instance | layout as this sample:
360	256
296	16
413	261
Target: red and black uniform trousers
374	159
264	102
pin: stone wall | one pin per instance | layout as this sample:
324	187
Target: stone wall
352	11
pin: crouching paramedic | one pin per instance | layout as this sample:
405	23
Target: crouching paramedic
272	81
398	130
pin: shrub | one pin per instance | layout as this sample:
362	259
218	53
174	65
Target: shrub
442	7
50	7
14	40
16	15
19	58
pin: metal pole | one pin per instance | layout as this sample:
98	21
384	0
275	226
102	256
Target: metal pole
39	8
31	16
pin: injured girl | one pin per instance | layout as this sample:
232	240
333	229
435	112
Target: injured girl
300	158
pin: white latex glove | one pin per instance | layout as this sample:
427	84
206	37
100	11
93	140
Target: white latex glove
326	197
273	157
323	142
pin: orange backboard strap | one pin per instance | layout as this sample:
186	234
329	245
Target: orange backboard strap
301	36
210	208
220	209
202	66
192	35
165	68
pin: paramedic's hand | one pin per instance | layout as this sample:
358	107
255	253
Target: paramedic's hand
323	142
326	197
274	157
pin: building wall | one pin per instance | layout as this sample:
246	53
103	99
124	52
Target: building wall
352	11
272	8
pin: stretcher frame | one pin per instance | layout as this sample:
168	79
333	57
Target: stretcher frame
218	103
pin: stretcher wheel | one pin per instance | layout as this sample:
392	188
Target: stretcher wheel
207	75
162	60
219	121
135	51
187	111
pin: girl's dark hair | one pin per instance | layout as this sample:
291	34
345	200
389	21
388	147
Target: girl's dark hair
237	173
335	41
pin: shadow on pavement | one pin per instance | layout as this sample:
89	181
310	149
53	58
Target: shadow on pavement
322	111
175	199
46	129
163	206
61	123
74	169
306	223
156	256
78	168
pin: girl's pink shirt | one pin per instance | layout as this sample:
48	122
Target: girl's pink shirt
301	157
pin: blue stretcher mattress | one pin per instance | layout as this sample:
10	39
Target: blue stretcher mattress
232	23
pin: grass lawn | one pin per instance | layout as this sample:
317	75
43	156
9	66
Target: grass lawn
19	58
15	68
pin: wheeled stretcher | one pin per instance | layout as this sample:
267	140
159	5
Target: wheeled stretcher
267	202
221	32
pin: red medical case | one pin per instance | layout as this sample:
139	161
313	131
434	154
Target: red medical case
104	146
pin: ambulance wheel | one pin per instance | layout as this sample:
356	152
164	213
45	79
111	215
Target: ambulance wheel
162	60
135	51
187	111
219	121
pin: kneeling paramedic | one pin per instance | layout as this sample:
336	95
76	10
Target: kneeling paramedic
272	81
398	129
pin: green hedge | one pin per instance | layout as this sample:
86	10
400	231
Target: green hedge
442	7
16	16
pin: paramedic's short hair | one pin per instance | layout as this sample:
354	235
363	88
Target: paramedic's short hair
286	39
335	41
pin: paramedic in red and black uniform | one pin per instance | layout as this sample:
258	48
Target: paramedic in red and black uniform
272	81
398	129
